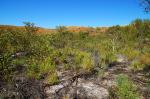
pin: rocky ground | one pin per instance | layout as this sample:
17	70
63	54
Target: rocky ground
90	86
72	85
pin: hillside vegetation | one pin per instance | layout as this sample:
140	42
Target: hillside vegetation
28	55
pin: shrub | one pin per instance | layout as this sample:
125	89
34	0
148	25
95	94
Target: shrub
82	60
137	65
47	66
107	54
142	63
126	89
33	68
83	34
74	59
61	29
52	78
87	62
130	53
30	27
145	59
148	86
61	39
37	69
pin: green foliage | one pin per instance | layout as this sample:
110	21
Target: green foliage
107	51
6	69
47	66
52	78
13	42
61	40
136	65
87	62
83	35
130	53
145	59
33	70
126	88
148	86
47	53
142	63
30	28
39	68
142	28
74	59
61	29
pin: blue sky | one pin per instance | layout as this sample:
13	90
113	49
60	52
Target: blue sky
51	13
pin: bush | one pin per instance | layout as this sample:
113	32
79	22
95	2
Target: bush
33	68
30	28
52	78
142	63
82	60
87	62
130	53
61	29
74	59
83	34
145	59
148	86
137	65
107	54
61	39
47	66
126	89
37	69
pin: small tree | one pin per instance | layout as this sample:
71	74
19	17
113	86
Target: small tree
30	27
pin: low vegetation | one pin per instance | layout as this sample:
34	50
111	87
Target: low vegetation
41	56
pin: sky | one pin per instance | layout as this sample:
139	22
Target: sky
51	13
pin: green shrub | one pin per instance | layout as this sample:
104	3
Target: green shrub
30	27
61	39
61	29
83	60
130	53
83	35
33	68
126	88
74	59
148	86
52	78
145	59
37	68
137	65
107	54
6	67
142	63
87	62
47	65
